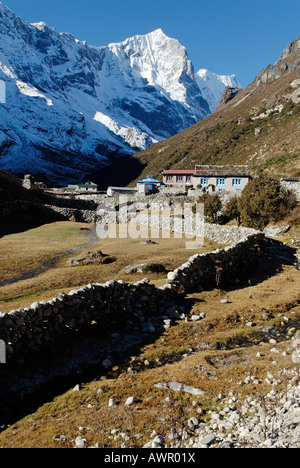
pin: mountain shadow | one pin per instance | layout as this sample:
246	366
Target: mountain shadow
121	172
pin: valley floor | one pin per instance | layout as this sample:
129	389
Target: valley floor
34	264
225	374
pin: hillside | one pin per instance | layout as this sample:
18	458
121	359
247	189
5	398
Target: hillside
11	189
259	126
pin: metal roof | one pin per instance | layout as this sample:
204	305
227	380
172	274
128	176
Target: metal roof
148	180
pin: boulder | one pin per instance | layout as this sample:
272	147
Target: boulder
145	268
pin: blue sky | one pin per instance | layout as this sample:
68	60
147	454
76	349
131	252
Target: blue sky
224	36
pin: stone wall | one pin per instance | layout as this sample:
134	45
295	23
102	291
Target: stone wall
194	226
218	268
46	212
47	326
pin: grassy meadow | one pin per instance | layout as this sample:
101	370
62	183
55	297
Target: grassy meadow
34	266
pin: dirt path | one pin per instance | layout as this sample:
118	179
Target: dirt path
49	264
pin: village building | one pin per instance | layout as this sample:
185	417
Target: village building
178	177
209	180
117	191
220	181
145	186
85	187
148	185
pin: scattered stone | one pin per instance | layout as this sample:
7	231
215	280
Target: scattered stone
224	301
145	268
60	438
157	442
177	387
92	258
195	318
148	241
129	401
208	440
80	442
193	423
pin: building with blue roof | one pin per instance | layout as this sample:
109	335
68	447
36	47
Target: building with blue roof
148	185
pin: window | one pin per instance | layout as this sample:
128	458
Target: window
179	178
204	182
169	178
188	178
236	182
221	182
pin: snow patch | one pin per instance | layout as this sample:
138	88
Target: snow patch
27	90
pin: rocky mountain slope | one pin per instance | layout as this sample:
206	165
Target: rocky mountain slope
70	108
258	125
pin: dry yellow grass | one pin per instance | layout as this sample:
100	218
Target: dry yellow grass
220	346
24	252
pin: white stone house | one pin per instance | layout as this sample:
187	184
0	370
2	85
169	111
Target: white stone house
209	180
87	187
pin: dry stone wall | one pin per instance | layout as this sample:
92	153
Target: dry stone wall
218	268
47	326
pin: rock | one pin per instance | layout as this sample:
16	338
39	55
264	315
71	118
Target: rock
228	94
274	231
157	442
195	318
145	268
193	423
177	387
91	258
80	442
60	438
129	401
167	323
148	241
208	440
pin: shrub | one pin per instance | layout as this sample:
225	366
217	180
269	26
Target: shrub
259	202
231	210
212	205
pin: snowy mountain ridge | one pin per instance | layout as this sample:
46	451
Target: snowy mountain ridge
71	107
213	85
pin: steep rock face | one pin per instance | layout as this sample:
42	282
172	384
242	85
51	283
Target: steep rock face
70	107
228	94
288	62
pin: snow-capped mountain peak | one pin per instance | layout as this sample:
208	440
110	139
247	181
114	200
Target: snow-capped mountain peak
213	85
71	107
